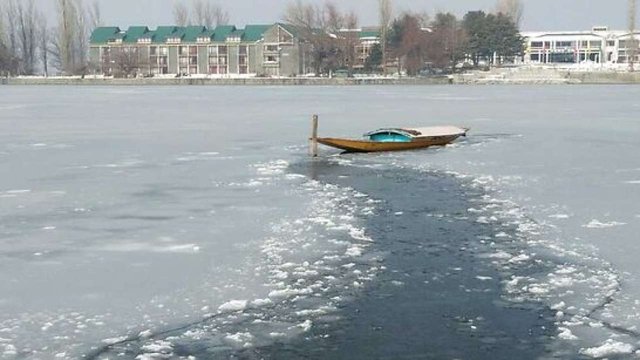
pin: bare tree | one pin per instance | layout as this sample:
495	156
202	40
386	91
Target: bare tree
208	14
180	14
94	15
319	26
63	44
385	13
69	48
301	15
126	61
27	35
333	19
80	48
3	31
12	26
351	40
514	9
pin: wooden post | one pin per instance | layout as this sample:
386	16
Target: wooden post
313	150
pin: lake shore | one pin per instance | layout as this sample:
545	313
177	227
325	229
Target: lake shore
503	76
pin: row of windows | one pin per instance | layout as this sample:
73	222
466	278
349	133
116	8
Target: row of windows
567	44
573	44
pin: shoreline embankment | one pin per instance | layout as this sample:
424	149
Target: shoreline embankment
499	76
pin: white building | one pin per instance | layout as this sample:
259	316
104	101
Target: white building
600	45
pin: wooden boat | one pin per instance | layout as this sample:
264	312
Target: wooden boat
397	139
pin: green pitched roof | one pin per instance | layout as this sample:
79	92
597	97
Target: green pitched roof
191	33
221	32
162	33
290	28
255	32
369	33
134	33
104	34
188	34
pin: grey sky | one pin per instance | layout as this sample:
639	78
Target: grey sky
539	14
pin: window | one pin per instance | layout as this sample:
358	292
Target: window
611	43
561	58
193	51
271	59
535	57
164	51
193	60
222	50
584	43
182	50
565	44
153	50
596	44
271	48
213	50
242	50
536	44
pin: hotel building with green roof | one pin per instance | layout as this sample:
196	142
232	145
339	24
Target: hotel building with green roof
262	50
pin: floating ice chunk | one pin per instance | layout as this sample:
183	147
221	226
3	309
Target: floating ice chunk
632	182
113	341
145	334
558	306
501	255
160	346
354	251
261	302
289	292
233	305
240	338
538	289
306	326
559	216
519	258
566	334
10	350
610	347
358	234
595	224
484	278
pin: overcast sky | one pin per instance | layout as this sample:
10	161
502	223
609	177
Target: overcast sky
538	14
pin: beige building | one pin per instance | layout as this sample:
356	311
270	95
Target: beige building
258	50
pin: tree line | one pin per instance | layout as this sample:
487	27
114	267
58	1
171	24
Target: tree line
411	41
29	45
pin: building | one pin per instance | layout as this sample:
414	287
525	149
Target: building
600	46
259	50
365	39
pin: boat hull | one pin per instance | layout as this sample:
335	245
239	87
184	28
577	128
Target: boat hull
376	146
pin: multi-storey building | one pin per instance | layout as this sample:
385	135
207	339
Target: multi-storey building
272	50
600	45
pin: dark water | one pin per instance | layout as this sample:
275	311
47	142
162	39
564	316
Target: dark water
429	303
436	299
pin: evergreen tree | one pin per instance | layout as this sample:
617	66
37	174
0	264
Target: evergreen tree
491	35
374	60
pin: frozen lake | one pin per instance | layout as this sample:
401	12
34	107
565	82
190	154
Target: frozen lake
160	222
